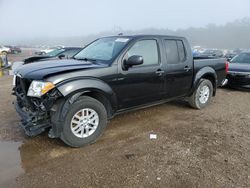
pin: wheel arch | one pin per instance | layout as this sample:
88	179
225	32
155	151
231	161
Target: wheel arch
206	73
94	88
101	97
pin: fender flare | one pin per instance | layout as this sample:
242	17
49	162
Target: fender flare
73	89
83	85
203	73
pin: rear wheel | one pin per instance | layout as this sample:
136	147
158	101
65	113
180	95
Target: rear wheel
84	122
202	95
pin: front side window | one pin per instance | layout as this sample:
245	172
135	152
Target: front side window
147	49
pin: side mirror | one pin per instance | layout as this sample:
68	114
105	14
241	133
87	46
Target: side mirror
61	56
132	61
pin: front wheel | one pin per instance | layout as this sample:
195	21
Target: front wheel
202	95
84	122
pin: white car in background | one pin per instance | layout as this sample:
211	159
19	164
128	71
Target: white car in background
4	50
47	50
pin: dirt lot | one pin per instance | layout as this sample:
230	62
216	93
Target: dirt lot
207	148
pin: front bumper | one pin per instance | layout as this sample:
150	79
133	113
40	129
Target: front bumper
33	123
35	113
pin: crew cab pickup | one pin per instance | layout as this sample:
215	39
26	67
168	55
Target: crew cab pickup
75	97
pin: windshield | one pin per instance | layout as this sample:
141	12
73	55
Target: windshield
55	52
103	49
241	58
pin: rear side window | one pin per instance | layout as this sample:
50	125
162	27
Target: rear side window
175	51
181	50
147	49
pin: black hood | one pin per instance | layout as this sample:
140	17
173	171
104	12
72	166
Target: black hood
40	70
239	67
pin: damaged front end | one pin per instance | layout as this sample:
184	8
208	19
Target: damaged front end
34	112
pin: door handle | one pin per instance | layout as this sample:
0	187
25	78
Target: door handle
187	68
159	72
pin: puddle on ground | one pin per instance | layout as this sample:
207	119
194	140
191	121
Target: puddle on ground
10	163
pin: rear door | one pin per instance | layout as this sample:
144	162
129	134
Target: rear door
179	68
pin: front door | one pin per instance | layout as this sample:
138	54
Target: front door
141	84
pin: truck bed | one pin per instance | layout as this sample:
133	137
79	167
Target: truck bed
218	64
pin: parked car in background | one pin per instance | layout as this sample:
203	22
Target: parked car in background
47	50
229	55
212	53
66	52
237	51
4	50
62	53
239	71
196	54
198	49
14	49
75	97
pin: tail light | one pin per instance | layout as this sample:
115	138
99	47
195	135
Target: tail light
226	64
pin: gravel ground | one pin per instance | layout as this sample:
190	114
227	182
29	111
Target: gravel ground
194	148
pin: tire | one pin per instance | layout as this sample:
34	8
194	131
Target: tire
199	101
90	106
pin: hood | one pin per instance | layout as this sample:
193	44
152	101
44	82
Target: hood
239	67
38	71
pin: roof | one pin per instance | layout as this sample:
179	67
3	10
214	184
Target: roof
145	35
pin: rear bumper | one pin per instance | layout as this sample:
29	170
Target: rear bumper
32	123
241	81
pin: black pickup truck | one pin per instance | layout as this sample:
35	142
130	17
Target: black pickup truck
75	97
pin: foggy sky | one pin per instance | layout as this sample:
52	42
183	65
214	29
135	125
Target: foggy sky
62	18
